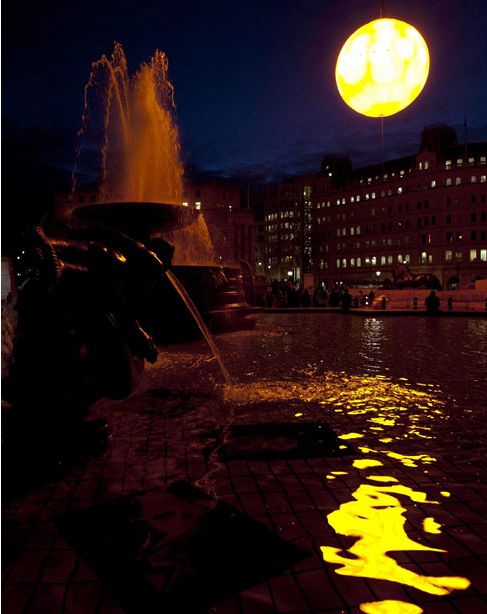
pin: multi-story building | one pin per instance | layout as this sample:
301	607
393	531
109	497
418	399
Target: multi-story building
230	221
427	211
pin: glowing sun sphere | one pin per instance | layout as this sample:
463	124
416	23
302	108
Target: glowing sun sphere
382	67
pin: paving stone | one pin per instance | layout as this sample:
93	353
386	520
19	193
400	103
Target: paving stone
28	567
287	594
47	598
82	598
319	592
59	566
257	600
15	597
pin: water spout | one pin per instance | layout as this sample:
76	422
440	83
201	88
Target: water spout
201	325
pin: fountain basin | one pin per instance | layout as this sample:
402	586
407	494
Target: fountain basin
218	294
140	220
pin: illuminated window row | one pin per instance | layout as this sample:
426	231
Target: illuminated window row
372	261
342	232
459	161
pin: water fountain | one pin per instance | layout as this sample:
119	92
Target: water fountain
131	122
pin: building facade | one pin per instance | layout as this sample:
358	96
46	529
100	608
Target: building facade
427	211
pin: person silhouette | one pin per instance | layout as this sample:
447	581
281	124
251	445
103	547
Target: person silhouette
432	303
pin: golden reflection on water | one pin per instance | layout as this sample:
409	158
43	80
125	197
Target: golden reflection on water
390	606
376	514
376	518
365	463
431	526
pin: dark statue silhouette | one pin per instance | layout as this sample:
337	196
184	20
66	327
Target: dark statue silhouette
404	278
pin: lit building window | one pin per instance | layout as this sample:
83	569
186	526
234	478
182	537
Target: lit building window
352	261
483	178
358	198
420	166
471	160
473	255
448	255
367	196
433	184
358	230
352	231
483	255
458	256
338	263
448	181
373	195
399	190
197	205
459	161
482	159
382	259
426	164
407	259
344	263
399	258
473	179
458	180
373	261
359	261
448	164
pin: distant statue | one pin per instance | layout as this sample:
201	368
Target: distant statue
403	278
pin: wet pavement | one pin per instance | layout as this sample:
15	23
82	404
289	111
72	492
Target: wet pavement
344	471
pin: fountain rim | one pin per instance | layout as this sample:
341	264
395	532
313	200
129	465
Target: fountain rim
139	217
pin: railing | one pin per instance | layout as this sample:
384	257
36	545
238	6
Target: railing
417	304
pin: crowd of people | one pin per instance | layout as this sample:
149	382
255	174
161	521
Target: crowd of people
290	294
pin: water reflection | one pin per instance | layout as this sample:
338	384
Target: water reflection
376	517
405	413
390	606
376	514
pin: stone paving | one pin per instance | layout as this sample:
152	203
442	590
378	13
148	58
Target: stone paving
171	430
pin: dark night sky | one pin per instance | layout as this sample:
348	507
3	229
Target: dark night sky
254	80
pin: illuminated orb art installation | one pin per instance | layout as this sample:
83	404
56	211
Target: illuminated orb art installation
382	67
